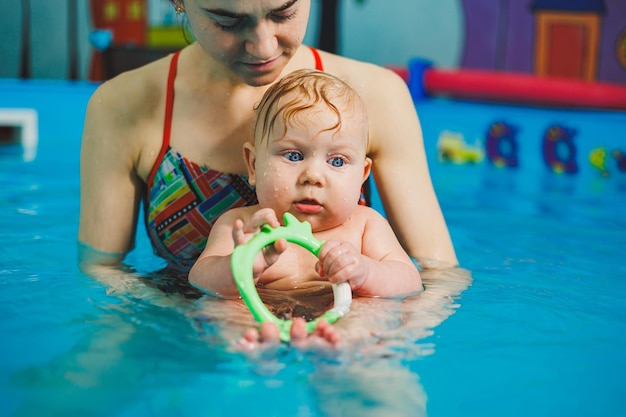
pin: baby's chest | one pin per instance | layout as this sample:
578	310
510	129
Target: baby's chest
295	266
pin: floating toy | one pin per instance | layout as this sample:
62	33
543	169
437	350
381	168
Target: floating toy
453	148
242	261
501	144
559	149
597	158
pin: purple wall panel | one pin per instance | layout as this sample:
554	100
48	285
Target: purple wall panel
500	35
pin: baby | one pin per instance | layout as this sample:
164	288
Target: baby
309	158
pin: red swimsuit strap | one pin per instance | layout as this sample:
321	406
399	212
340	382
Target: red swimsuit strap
169	106
167	123
318	60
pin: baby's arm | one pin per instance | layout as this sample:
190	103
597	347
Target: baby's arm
212	271
380	269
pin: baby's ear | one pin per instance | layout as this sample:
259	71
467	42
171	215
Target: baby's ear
367	168
249	156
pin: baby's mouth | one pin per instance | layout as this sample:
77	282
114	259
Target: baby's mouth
308	206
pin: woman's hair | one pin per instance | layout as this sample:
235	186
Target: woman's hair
302	90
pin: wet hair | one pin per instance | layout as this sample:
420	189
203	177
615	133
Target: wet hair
300	91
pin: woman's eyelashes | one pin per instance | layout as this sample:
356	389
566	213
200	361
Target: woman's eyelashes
230	24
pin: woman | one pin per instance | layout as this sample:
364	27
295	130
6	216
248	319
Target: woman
171	133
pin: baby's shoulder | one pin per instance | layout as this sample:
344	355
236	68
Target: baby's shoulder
238	213
362	220
367	213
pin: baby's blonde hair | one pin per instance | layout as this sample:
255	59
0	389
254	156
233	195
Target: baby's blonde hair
307	89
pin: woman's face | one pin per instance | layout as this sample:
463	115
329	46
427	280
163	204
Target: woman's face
252	39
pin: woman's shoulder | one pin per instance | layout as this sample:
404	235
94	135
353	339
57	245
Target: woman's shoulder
135	91
359	73
380	87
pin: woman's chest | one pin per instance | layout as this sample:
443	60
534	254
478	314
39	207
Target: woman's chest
213	142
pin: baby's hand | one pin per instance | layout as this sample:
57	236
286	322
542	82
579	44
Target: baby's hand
243	232
342	262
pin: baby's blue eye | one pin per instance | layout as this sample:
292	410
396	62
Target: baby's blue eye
293	156
336	162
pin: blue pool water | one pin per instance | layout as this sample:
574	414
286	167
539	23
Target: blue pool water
540	331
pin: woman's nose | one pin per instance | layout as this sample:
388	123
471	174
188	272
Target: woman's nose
262	42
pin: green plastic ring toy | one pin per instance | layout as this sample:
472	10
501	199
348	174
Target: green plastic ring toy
242	261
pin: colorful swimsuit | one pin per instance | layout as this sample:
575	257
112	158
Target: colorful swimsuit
183	200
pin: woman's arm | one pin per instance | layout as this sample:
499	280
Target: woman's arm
401	172
110	186
110	189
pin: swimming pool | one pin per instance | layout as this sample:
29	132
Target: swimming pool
541	330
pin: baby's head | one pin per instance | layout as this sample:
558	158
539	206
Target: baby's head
301	93
310	152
